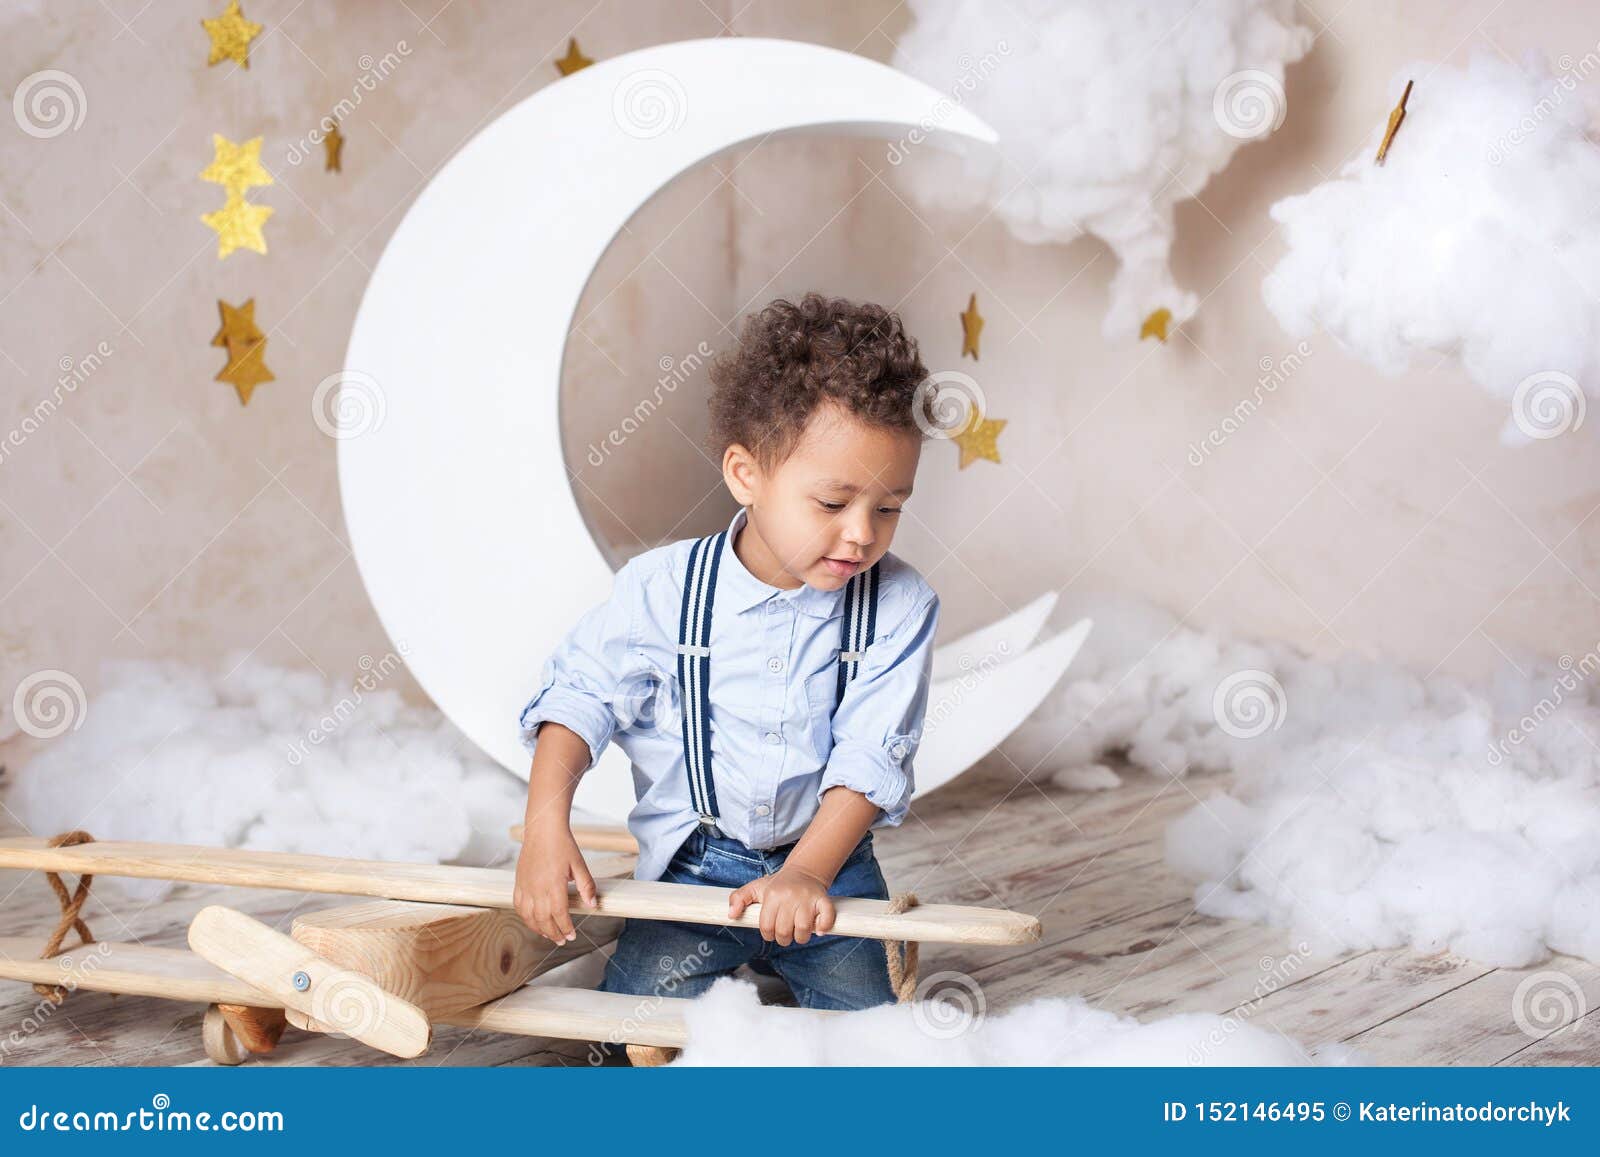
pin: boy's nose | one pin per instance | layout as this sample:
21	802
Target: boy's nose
858	537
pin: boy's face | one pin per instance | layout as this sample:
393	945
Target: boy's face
830	509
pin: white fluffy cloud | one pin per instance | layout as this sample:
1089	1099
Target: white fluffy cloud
266	758
1370	807
1113	113
1476	239
728	1025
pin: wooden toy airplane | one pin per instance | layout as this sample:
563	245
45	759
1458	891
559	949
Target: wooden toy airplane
435	944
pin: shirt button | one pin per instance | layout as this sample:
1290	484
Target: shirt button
774	664
773	737
762	809
898	751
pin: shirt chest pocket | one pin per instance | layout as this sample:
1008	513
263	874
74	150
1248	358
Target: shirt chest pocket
648	698
822	691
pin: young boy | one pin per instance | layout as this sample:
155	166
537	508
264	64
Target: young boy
772	716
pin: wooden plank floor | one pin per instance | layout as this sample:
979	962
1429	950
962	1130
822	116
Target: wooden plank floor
1119	929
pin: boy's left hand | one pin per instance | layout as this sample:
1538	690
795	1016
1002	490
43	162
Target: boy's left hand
794	904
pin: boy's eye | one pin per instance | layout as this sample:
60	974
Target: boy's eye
835	507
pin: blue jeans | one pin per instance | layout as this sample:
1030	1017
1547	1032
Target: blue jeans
677	958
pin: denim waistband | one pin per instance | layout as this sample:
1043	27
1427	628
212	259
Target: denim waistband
715	839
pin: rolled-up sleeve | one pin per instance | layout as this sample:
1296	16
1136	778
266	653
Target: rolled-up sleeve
579	682
878	724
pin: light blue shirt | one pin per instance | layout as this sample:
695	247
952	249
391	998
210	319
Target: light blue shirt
773	686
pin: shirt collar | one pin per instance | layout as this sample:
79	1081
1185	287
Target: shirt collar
739	590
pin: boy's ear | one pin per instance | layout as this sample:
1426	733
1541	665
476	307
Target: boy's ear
741	472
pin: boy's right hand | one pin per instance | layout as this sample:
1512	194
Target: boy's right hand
549	859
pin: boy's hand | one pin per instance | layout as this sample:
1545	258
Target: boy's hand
549	858
794	904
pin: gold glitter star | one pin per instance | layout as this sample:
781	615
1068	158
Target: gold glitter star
238	225
231	35
246	369
238	324
333	146
1395	117
573	60
971	327
978	440
235	167
1156	324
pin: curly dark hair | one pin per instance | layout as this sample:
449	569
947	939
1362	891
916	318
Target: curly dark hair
790	358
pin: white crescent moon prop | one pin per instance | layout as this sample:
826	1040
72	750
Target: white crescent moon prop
970	713
462	519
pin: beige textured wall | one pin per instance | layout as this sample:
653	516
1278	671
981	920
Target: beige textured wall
150	515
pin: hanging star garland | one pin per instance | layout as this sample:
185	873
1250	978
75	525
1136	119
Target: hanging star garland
237	168
247	346
971	327
1156	325
979	439
238	324
333	149
246	371
573	60
1396	115
231	35
239	226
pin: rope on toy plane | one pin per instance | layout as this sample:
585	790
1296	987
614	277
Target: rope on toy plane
902	954
71	905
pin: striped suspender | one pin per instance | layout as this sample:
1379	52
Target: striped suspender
860	618
694	658
694	671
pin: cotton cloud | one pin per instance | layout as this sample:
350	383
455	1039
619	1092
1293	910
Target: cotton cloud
270	758
1369	807
1108	116
728	1025
1476	239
